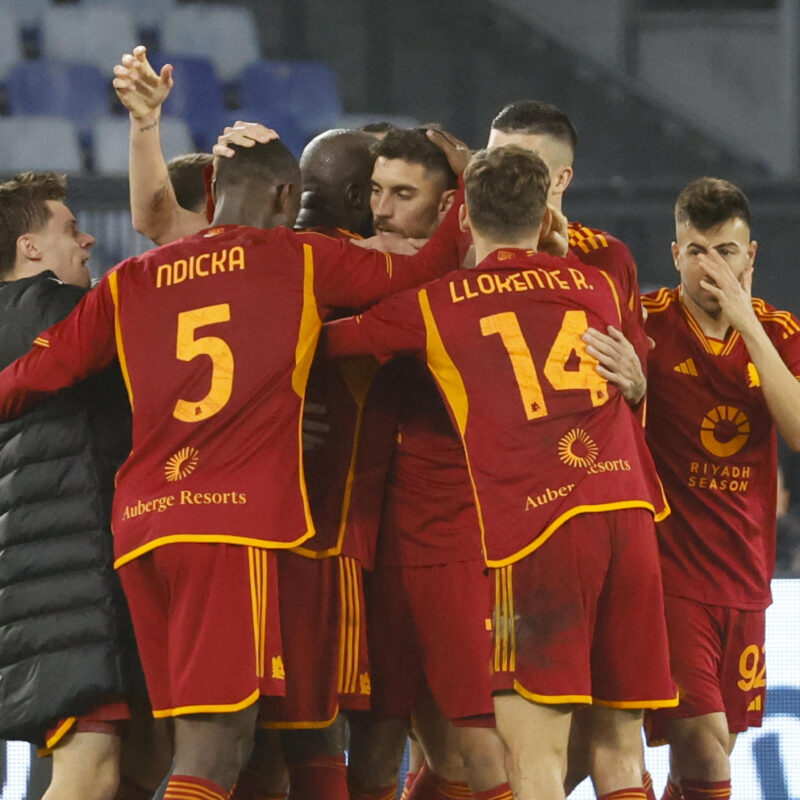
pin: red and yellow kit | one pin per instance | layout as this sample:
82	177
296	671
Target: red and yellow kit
526	311
714	444
215	334
606	252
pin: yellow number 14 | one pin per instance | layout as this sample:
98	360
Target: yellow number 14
581	375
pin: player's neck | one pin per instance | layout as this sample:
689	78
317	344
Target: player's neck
713	327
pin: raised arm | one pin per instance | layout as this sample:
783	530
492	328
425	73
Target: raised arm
779	380
154	208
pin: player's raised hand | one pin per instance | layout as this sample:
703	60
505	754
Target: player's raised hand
554	237
619	363
139	87
733	294
458	154
243	134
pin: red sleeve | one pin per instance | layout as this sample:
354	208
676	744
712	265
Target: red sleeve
348	276
393	327
68	352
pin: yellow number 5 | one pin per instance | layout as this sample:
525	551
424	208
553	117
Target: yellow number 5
188	348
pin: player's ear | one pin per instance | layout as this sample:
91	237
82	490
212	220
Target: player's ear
563	180
445	201
356	196
674	249
463	218
28	247
751	251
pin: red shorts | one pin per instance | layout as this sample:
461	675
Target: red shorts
103	718
581	619
718	663
431	625
207	626
324	642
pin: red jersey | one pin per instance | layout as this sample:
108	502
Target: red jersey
545	437
215	334
429	514
713	440
602	250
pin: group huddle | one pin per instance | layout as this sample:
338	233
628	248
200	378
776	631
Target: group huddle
410	455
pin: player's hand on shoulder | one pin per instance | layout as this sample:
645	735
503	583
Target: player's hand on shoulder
554	237
618	362
243	134
388	242
458	154
138	86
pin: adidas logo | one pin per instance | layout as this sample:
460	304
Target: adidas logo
686	367
755	704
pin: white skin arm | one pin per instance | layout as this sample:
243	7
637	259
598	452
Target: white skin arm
619	363
781	388
154	208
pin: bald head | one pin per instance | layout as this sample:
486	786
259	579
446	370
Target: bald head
336	168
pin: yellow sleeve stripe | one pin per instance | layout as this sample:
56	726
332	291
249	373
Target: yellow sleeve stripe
782	318
39	341
660	302
613	287
123	361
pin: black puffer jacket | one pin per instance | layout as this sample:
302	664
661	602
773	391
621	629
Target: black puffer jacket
65	635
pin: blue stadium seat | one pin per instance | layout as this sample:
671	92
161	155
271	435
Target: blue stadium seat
76	91
306	91
10	44
225	35
145	13
27	12
196	97
39	143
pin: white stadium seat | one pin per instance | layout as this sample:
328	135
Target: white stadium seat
38	143
225	35
110	137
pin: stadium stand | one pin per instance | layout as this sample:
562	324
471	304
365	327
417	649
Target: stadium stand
98	35
39	143
110	142
224	34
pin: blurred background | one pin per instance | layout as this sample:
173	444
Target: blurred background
661	92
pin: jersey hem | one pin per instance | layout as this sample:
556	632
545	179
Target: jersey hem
211	538
565	517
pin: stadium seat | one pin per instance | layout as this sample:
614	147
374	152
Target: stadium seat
98	35
10	44
225	35
196	97
39	143
26	12
76	91
110	136
145	13
306	91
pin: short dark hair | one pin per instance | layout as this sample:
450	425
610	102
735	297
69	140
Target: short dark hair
23	209
532	116
506	192
707	202
378	127
271	162
186	175
413	145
